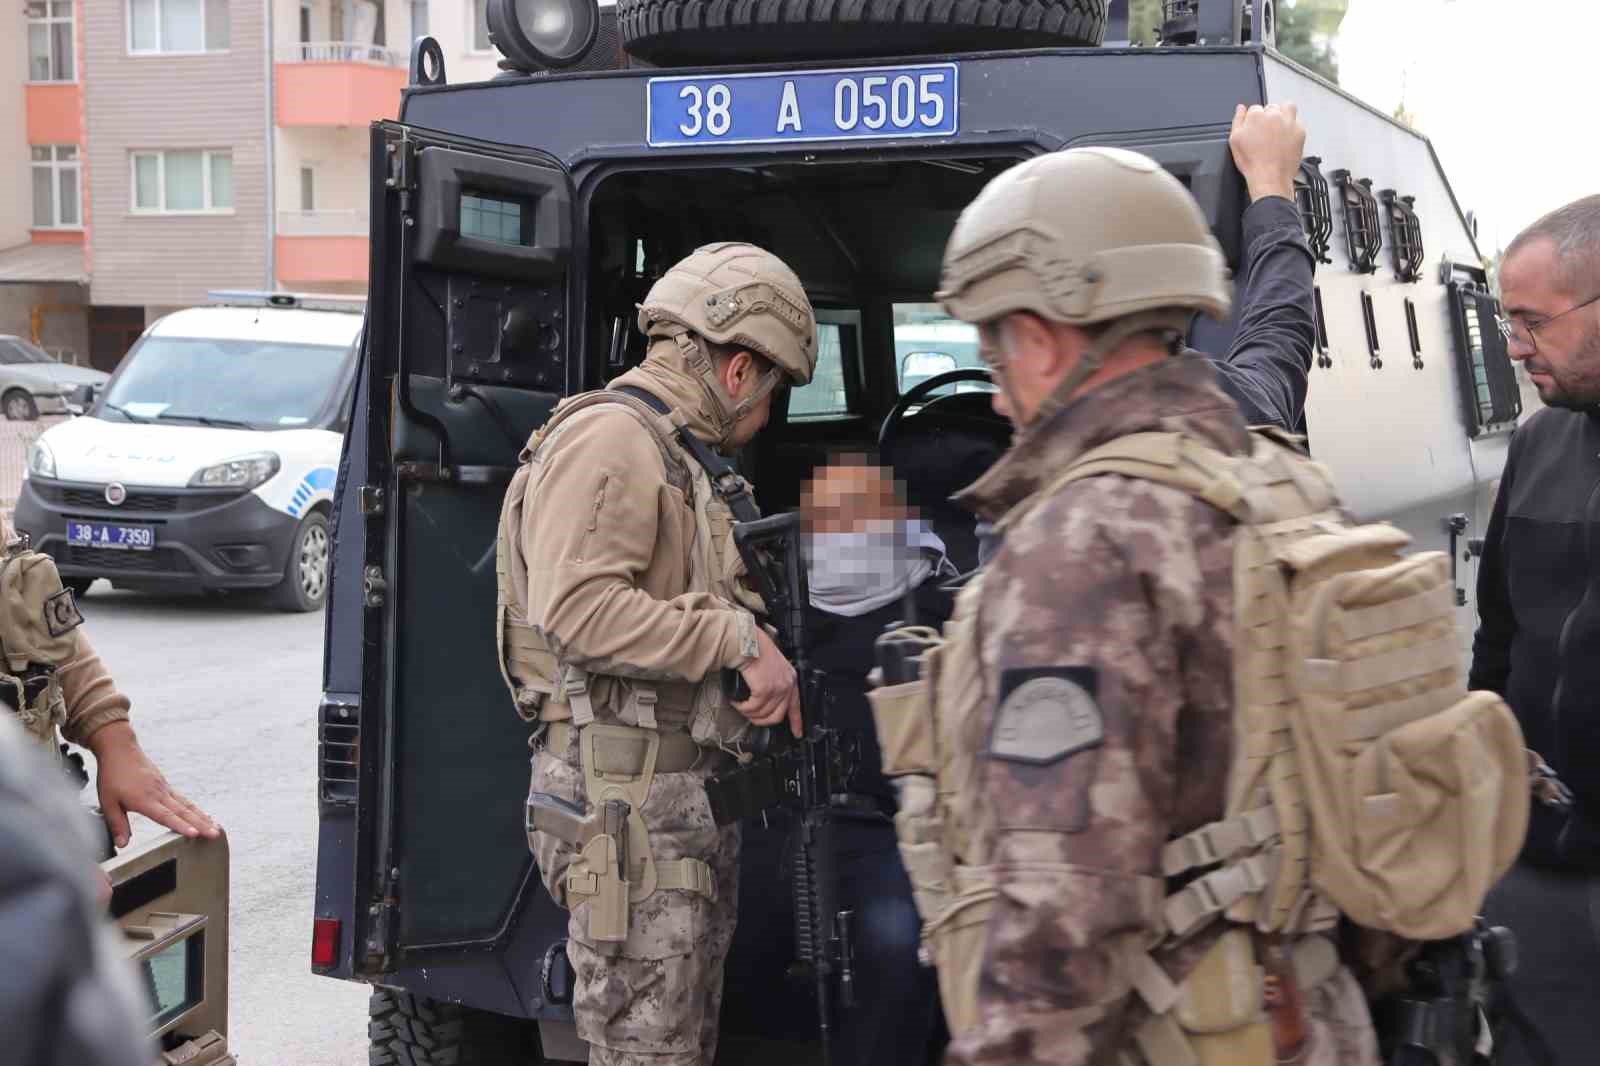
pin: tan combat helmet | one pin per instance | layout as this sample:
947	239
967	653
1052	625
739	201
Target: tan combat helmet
736	294
1086	236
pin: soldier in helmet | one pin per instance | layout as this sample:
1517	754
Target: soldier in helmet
1095	651
622	602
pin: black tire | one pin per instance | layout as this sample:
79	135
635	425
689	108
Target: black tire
19	406
303	587
408	1030
78	585
723	31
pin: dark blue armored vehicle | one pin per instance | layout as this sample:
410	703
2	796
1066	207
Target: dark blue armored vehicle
517	222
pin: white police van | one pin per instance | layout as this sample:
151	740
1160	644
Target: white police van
209	459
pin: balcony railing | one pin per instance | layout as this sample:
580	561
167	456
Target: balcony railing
336	223
341	52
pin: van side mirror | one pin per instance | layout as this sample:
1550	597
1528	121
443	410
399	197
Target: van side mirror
82	398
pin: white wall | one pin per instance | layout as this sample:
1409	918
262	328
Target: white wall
16	187
338	155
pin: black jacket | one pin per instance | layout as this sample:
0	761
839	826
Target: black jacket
1266	366
842	648
1538	639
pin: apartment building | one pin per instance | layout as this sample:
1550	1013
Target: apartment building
151	150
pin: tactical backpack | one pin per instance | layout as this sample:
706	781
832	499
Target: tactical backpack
37	619
1365	779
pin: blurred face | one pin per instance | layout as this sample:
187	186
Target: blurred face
846	497
1556	339
862	549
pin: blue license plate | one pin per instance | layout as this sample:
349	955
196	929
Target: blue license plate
106	535
820	105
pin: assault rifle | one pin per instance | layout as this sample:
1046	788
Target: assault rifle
803	775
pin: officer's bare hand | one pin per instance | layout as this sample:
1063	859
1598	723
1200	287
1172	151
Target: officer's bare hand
774	694
1268	144
130	782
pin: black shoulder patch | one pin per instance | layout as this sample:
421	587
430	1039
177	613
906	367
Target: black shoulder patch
1046	714
61	614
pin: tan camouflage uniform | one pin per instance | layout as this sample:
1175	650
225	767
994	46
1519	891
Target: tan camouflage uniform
40	625
1126	588
604	554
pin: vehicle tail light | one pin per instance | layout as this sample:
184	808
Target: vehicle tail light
324	943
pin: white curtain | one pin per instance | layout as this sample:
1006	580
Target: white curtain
185	182
181	29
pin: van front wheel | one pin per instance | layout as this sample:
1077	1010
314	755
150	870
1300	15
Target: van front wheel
305	576
19	406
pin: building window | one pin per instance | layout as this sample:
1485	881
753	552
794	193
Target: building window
308	189
305	22
50	56
182	182
56	203
480	26
177	26
419	19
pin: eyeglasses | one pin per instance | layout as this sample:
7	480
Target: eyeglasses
1523	333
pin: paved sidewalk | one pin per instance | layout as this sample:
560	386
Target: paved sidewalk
15	437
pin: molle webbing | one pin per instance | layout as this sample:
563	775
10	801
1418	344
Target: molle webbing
619	754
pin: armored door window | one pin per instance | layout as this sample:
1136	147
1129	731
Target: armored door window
828	395
1491	399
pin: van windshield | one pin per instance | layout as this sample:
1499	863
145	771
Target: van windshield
254	384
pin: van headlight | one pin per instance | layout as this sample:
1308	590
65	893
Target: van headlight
41	461
243	473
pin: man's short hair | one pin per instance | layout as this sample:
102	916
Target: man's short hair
721	353
1575	232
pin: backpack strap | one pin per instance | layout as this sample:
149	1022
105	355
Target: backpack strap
729	485
1166	458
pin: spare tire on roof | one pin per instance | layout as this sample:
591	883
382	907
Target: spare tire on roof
725	31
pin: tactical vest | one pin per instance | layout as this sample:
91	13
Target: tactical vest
545	688
37	619
1365	779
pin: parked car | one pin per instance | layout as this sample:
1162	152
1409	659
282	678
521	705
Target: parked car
33	382
208	461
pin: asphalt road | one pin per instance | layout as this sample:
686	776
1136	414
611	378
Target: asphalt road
224	698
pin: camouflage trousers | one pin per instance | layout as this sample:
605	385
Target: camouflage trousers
1341	1034
657	1001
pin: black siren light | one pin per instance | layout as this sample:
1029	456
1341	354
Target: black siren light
538	35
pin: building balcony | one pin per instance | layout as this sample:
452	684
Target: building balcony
318	247
55	112
337	83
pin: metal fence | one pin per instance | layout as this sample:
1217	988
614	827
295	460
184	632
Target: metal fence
341	52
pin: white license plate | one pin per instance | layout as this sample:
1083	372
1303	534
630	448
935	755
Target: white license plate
109	535
819	105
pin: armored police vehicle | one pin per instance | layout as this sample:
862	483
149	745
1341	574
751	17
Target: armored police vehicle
517	222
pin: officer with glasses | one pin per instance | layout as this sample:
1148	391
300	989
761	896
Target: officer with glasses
1538	642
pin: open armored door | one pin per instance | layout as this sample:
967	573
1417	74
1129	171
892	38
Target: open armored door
466	354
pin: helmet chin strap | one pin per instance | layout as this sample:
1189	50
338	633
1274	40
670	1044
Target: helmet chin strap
1094	357
728	411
